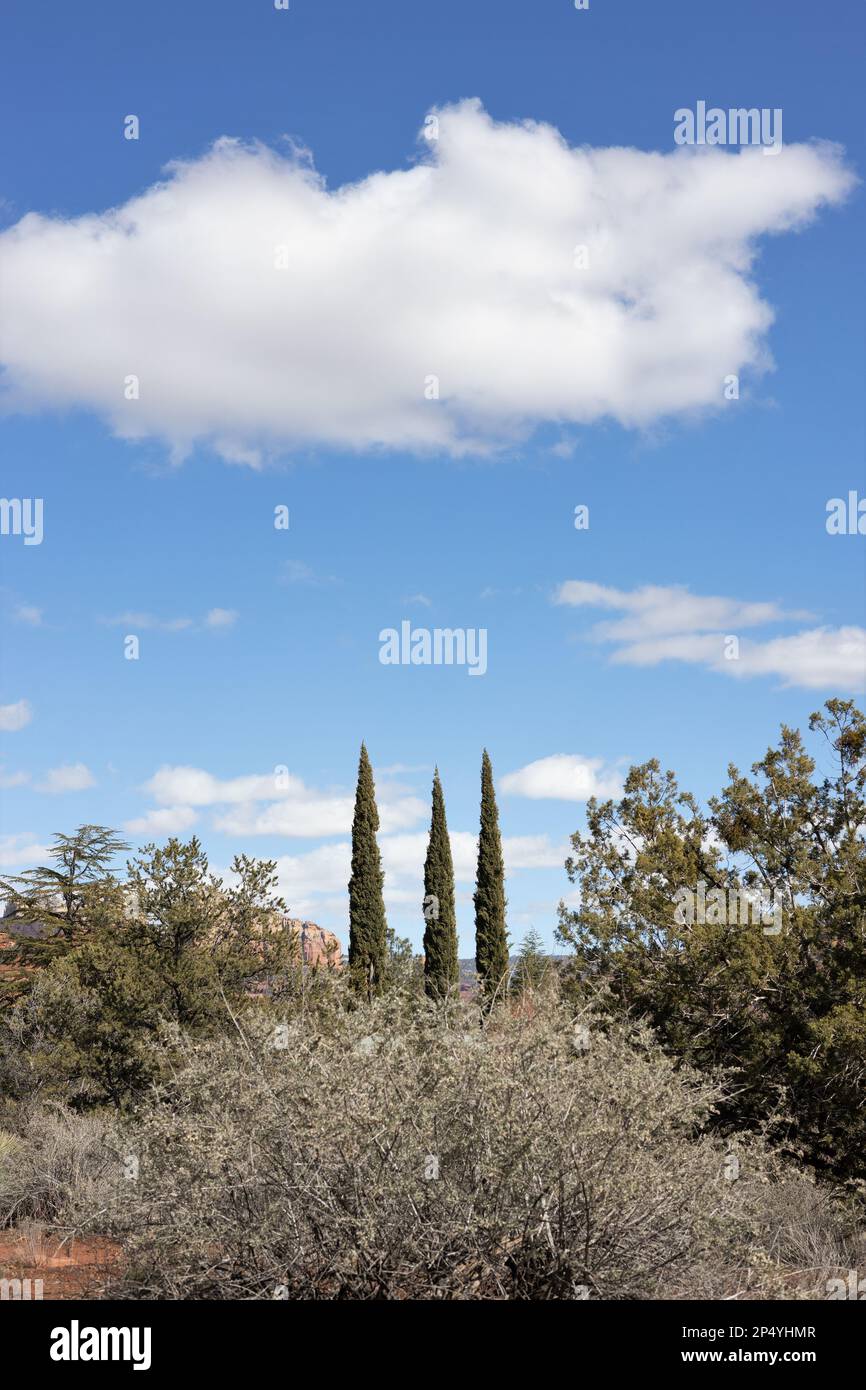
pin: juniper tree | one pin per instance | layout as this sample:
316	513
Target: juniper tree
181	947
440	933
368	930
779	1002
491	938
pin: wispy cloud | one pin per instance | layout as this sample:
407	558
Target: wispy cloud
491	592
221	618
655	609
15	717
13	779
28	613
141	621
298	572
671	624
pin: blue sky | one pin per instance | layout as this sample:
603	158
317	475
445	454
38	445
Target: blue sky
149	535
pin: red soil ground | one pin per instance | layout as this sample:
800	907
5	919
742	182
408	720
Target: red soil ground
69	1266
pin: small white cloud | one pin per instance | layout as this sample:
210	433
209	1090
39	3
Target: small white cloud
221	618
420	599
28	613
562	777
72	777
15	717
164	820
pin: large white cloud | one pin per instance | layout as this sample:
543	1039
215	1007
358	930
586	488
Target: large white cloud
462	266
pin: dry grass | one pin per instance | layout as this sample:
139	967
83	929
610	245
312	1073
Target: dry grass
60	1170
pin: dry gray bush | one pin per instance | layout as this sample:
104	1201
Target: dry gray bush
398	1152
61	1168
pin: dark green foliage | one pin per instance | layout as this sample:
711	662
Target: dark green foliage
440	932
491	939
200	943
783	1009
181	951
368	931
61	903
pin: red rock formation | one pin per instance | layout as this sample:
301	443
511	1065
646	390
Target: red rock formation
318	947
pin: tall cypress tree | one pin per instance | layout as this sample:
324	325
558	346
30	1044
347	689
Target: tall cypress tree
441	967
368	931
491	938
